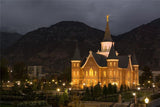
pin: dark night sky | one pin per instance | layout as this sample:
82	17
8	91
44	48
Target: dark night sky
26	15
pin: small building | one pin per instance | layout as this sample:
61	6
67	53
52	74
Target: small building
35	72
104	66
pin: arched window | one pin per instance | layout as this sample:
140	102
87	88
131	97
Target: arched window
77	64
95	73
110	63
86	73
111	73
91	72
74	73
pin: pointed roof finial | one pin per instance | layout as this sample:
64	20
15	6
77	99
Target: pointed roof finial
107	17
107	35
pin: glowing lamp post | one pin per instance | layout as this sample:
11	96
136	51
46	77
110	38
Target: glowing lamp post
146	100
53	80
58	89
138	88
135	100
134	94
63	84
84	85
70	89
153	87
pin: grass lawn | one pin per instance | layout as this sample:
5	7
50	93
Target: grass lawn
6	105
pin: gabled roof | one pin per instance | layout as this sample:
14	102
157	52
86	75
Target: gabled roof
112	53
100	60
76	54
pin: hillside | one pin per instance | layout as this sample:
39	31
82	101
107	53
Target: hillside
144	41
8	39
53	47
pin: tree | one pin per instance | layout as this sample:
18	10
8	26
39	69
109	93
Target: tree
97	90
20	72
105	91
125	88
146	76
4	75
157	80
114	88
66	98
87	93
110	89
61	101
92	92
121	88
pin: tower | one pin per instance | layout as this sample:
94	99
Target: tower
112	64
135	70
76	69
107	41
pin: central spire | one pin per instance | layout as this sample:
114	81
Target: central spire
107	35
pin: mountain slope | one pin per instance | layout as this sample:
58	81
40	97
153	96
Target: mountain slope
7	39
54	46
144	41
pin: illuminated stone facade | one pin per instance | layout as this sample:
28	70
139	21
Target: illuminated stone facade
104	67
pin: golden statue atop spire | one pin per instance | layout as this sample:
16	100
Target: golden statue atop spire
107	18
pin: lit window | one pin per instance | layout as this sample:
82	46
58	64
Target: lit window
91	72
110	63
95	73
77	64
114	63
86	73
77	72
104	73
74	73
74	65
111	74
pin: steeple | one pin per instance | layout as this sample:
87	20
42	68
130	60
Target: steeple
134	60
107	35
112	53
77	53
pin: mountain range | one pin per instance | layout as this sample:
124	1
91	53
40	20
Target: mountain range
54	46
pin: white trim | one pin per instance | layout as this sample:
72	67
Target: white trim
75	60
112	59
90	55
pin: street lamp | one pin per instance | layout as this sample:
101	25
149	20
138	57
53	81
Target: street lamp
63	84
146	100
134	94
58	89
70	89
153	87
138	88
135	100
53	80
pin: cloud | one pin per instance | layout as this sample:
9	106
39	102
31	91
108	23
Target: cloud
26	15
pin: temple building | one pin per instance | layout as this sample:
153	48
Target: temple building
104	66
